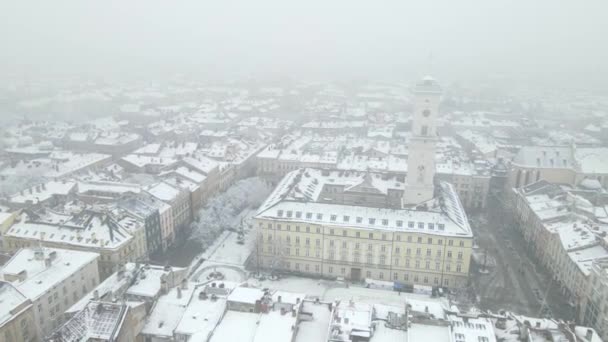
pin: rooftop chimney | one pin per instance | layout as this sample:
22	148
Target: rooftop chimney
179	292
589	334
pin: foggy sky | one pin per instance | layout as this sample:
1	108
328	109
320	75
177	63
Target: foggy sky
530	38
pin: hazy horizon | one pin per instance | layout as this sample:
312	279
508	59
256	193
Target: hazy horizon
541	40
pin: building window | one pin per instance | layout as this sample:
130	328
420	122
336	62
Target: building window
368	274
399	223
424	130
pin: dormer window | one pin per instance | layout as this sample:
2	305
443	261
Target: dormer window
289	213
385	222
359	219
319	216
298	214
372	221
346	218
280	213
308	215
332	217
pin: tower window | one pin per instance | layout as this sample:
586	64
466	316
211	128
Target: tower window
424	130
426	112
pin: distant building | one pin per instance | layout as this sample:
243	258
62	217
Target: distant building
559	164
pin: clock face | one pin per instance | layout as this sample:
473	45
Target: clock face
426	113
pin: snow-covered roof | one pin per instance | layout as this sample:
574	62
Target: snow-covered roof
163	191
43	192
10	299
447	219
248	295
97	321
42	275
85	230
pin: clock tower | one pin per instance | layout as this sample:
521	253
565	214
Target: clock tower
421	149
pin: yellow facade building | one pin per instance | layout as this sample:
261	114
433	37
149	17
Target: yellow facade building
429	245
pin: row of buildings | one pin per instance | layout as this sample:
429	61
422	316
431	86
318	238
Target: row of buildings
566	229
55	295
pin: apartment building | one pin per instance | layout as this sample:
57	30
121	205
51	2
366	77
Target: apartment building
178	199
596	308
53	280
111	237
564	229
16	315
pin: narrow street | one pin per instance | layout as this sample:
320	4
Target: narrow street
515	283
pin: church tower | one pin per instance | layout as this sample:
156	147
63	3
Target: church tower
421	155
